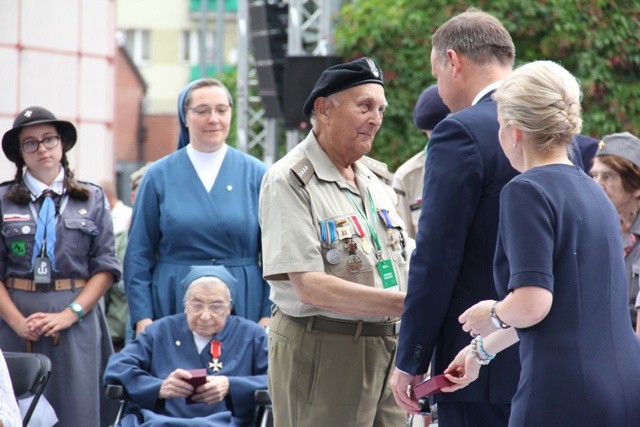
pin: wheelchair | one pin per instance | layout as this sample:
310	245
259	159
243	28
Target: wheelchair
263	416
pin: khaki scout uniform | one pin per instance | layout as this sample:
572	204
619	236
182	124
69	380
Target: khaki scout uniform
326	368
407	183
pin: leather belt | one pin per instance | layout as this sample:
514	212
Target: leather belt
55	285
347	327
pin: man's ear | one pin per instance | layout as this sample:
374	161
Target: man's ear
455	61
322	106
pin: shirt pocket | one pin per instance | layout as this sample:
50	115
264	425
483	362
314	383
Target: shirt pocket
19	239
346	257
78	235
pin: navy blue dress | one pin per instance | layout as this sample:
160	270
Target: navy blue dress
581	363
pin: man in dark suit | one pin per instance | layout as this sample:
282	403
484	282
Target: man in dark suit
452	266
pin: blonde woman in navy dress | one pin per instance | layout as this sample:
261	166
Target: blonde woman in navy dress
559	271
58	314
197	206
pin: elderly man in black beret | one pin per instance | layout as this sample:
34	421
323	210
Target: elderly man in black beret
335	256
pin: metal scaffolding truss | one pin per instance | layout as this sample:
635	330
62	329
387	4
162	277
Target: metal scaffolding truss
309	33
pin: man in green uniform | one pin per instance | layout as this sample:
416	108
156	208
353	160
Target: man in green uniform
334	253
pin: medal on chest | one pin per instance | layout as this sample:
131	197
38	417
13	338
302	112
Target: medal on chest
216	352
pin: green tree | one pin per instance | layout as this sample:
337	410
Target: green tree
597	40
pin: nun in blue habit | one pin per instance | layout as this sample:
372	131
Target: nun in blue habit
153	367
198	206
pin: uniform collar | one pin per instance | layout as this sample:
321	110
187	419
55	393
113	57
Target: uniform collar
635	226
36	187
324	167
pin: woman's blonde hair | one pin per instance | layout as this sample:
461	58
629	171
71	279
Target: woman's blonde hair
543	99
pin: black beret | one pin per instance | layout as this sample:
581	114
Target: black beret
429	109
343	76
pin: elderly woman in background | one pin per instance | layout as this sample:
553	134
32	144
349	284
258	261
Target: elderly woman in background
616	167
153	368
558	268
198	205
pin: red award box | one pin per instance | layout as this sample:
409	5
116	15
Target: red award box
430	387
198	377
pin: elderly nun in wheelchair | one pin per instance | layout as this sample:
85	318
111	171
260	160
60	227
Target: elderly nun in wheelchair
163	370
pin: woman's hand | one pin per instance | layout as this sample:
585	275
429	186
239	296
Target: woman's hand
477	319
21	327
264	322
213	391
48	324
141	325
462	371
176	385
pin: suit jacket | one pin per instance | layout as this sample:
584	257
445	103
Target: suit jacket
452	266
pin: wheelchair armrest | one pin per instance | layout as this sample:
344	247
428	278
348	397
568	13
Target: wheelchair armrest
115	392
261	397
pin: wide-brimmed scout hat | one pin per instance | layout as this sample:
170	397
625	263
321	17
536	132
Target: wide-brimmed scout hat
35	116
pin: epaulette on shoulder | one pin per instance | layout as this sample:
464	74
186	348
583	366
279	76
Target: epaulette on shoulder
303	171
379	168
93	184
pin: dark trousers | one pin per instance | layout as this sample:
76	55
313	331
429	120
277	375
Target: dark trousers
464	414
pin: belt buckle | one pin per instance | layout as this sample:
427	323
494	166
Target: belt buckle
396	328
45	287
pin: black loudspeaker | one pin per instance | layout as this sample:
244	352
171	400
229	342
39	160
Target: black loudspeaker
301	75
268	29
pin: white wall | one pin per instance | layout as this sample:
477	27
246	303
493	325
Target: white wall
60	55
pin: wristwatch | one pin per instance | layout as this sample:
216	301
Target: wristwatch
77	309
499	324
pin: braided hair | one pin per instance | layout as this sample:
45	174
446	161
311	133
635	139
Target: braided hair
19	193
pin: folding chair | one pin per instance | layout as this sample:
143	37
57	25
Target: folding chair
29	375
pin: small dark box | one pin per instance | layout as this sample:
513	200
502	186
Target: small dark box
430	387
198	377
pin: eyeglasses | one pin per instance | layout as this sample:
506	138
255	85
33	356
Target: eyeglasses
205	110
198	307
31	145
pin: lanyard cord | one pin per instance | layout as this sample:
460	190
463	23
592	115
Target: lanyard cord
372	230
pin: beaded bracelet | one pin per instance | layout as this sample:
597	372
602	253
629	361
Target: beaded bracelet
479	353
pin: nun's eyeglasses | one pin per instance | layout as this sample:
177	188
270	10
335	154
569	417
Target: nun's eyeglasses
197	307
31	145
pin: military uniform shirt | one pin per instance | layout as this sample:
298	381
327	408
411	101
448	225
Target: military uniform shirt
301	191
408	184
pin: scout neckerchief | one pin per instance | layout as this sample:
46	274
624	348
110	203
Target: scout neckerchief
43	257
385	266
